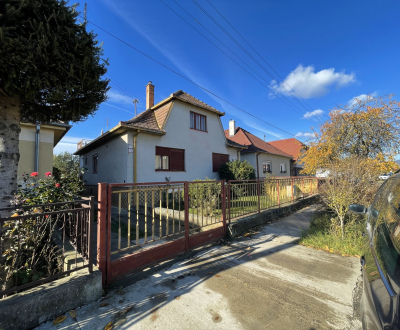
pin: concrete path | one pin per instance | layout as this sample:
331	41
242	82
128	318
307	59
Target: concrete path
262	281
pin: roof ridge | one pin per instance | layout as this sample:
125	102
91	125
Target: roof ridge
247	137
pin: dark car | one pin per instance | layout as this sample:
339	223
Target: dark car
380	307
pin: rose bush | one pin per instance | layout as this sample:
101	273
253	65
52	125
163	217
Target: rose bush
30	253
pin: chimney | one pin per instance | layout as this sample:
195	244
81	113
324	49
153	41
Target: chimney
232	128
149	95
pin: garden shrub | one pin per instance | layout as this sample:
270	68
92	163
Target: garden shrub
205	197
30	253
237	170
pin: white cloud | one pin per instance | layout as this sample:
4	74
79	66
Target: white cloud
116	97
306	135
362	98
310	114
307	83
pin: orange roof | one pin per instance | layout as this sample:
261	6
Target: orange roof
254	143
291	146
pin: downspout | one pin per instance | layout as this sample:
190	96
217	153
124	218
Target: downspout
258	177
37	142
134	157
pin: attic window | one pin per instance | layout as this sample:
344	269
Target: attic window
198	122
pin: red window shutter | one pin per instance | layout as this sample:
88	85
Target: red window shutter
177	160
218	160
161	151
224	159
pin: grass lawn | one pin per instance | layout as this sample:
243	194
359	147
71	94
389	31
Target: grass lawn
325	234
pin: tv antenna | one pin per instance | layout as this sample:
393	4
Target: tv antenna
135	101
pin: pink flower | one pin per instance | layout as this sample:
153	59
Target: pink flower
58	185
34	174
48	174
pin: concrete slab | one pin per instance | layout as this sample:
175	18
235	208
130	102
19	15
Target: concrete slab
262	281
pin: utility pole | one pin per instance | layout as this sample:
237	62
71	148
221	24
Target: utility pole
135	101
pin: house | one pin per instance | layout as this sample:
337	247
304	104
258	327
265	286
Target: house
178	139
263	156
295	148
36	143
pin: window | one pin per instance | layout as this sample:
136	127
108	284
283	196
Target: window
95	163
283	167
267	167
85	160
218	160
170	159
198	122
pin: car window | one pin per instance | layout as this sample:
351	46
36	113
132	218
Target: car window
386	239
380	205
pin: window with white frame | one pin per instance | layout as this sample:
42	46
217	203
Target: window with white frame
283	167
267	167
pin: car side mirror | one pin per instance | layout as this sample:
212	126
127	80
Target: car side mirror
357	208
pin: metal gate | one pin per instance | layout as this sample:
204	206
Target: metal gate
144	223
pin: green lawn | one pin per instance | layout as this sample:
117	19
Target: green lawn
324	234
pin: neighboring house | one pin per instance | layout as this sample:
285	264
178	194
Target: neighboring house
36	143
180	138
265	158
294	148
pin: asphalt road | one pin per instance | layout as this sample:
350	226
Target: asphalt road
262	281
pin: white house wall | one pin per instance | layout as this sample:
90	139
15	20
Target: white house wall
112	162
275	161
198	146
250	157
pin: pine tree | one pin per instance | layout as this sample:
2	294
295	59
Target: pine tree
51	70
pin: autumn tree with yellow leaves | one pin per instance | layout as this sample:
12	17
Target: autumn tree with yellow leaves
369	130
354	146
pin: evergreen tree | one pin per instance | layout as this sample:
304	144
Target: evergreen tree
51	70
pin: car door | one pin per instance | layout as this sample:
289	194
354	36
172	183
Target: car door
382	264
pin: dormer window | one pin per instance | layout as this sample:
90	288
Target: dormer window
198	122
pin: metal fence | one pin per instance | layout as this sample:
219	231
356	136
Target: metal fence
250	196
142	214
42	243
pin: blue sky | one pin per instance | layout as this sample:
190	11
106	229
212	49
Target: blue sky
328	52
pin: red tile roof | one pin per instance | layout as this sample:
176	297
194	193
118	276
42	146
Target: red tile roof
185	97
146	120
253	143
290	146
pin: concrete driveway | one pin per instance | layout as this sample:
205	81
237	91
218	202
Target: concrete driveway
262	281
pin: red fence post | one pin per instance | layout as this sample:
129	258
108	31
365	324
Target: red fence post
90	233
101	230
186	194
277	186
229	202
258	193
223	206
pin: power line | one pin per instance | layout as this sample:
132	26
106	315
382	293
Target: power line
269	87
189	80
283	80
240	46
